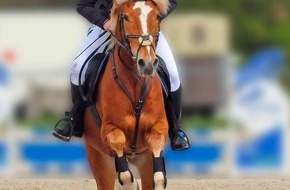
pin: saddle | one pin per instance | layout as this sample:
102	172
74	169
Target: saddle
95	70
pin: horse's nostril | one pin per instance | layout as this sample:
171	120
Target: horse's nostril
141	62
156	62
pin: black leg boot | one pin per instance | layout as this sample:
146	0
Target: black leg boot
178	138
73	122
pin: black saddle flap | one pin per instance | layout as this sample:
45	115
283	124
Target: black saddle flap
163	75
94	72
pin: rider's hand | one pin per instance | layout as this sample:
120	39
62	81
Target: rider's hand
107	25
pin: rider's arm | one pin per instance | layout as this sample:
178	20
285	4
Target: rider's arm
172	6
95	15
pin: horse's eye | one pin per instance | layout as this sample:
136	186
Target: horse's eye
159	17
125	17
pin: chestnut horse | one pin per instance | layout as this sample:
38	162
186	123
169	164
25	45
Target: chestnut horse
130	102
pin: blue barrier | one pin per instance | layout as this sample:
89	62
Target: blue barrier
4	75
66	157
200	158
264	64
3	154
41	155
265	151
206	153
56	152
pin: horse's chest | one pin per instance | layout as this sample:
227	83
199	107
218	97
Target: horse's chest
118	109
129	122
126	122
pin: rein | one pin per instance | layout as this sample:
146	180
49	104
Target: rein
137	106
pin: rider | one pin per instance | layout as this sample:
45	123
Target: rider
97	12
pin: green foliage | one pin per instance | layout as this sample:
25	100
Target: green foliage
199	122
43	122
255	23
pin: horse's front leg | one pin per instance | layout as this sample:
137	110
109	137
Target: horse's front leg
116	140
156	140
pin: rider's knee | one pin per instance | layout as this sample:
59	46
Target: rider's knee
75	73
175	81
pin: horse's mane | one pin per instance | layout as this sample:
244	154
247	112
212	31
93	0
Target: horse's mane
163	6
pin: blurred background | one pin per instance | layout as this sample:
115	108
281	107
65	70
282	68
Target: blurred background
233	59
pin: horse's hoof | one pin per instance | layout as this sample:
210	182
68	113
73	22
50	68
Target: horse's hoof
127	181
131	186
159	181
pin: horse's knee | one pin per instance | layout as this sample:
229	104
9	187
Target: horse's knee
156	142
116	139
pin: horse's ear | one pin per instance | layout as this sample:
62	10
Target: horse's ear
163	5
119	2
114	15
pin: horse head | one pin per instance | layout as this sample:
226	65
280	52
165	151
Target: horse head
136	26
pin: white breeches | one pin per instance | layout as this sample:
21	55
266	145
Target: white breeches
92	46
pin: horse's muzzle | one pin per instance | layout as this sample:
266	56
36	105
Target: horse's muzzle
147	68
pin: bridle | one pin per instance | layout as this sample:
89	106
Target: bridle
144	40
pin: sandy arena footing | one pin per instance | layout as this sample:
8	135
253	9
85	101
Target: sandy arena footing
180	184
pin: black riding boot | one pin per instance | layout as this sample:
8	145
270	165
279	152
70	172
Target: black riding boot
73	122
178	138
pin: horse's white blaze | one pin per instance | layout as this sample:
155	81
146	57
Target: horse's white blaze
148	49
145	10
